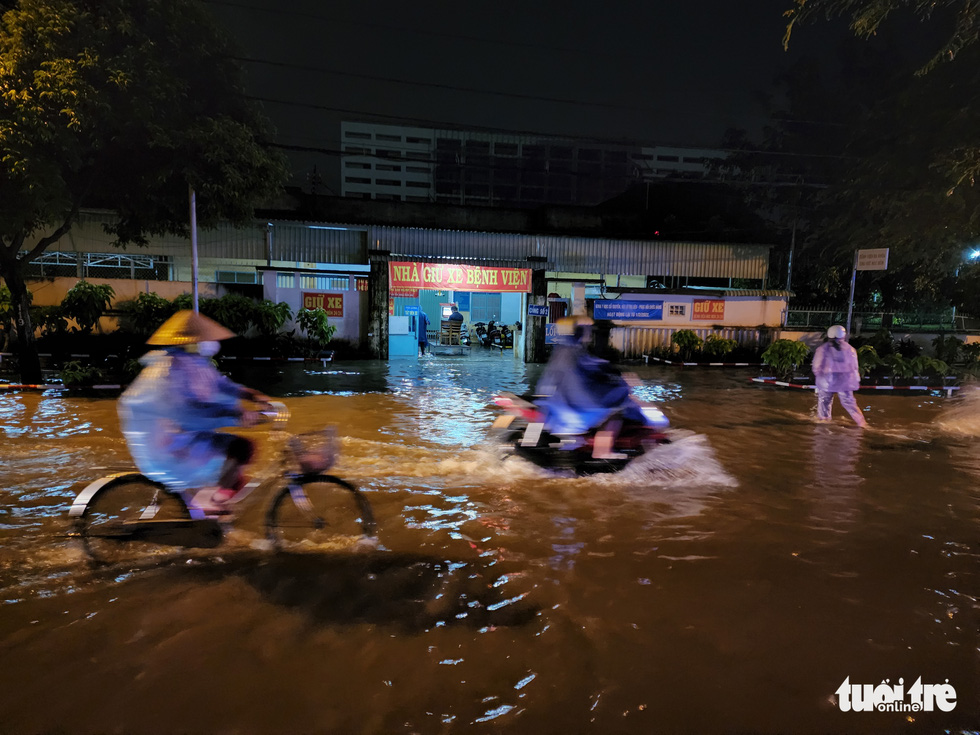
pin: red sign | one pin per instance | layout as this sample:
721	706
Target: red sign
360	284
332	303
708	309
435	276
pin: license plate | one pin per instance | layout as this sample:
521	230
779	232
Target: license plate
504	421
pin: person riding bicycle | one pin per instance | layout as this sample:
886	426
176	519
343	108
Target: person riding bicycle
582	392
171	413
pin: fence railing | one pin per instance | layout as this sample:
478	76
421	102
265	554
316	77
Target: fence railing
635	342
872	321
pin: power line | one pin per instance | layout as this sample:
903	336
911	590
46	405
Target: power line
537	46
450	87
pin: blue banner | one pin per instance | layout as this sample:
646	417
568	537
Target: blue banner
550	333
535	310
628	311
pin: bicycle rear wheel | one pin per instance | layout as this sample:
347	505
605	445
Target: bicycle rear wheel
319	513
123	518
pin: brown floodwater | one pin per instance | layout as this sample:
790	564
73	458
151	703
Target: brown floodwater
728	583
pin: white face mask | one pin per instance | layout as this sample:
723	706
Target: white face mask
208	349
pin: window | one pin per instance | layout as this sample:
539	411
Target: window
688	159
669	159
484	307
388	182
356	150
391	138
505	149
357	164
236	277
387	167
357	135
356	180
324	283
410	139
418	169
418	184
285	280
676	309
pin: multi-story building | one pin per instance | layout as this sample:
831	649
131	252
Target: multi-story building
494	169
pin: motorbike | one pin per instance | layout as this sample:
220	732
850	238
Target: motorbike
464	336
480	329
521	428
506	336
494	338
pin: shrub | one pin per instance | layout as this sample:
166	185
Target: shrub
868	359
146	313
270	317
947	348
785	355
86	303
74	374
686	341
716	346
317	327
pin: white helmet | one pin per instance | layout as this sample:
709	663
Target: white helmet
836	332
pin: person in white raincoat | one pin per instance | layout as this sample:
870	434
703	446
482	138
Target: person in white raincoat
171	413
835	370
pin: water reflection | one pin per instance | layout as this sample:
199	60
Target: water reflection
836	484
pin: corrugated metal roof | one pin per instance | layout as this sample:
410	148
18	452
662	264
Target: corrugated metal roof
342	243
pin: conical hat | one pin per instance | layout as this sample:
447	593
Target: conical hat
187	327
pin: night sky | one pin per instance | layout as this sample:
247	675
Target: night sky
659	72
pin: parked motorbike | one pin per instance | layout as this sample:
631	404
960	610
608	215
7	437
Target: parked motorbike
506	336
480	328
521	428
464	336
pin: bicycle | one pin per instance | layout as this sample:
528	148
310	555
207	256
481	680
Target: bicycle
127	514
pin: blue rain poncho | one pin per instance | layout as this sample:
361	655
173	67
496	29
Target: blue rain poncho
836	371
170	415
581	391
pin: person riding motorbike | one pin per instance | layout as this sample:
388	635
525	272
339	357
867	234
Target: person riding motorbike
171	413
582	392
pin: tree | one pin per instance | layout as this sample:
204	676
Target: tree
916	155
866	16
122	105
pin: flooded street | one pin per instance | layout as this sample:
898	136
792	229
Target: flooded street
729	582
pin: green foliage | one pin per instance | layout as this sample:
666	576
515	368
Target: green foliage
75	374
270	317
925	365
972	353
85	303
882	342
146	313
868	359
899	366
785	355
715	346
686	341
947	347
233	310
317	327
907	347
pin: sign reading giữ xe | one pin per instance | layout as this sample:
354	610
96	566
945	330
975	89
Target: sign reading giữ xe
332	303
454	277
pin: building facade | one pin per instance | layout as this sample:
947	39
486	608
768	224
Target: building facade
393	162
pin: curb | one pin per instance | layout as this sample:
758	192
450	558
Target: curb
948	389
648	358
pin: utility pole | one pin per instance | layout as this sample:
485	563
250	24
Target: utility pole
193	207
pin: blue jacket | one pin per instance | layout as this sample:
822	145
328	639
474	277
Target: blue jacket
170	413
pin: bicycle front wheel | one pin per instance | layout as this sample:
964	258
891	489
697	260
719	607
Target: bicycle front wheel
319	513
119	518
